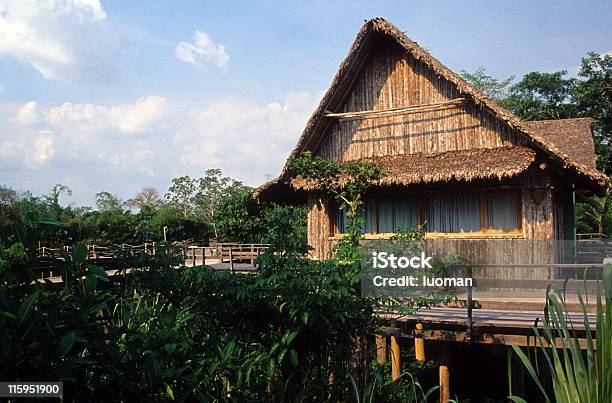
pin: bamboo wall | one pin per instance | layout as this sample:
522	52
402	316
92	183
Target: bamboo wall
390	79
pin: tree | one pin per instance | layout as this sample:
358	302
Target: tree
543	96
106	201
181	194
148	197
238	217
490	86
212	189
593	97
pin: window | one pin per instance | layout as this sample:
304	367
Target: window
444	213
343	221
397	213
453	213
502	212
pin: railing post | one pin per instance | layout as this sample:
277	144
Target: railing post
396	360
469	307
444	372
231	260
419	344
381	349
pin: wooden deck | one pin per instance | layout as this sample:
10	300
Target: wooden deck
485	327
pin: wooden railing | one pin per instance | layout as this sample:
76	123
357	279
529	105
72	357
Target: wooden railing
193	255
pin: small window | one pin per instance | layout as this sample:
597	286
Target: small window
394	214
343	221
453	213
502	212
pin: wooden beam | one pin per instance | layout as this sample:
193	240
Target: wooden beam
395	111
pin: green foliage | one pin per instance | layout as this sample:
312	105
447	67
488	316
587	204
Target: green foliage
577	375
595	215
199	334
553	95
490	86
347	184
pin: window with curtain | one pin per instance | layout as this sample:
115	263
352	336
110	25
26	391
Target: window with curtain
502	212
453	213
397	213
343	221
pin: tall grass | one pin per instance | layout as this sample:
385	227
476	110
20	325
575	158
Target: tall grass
577	375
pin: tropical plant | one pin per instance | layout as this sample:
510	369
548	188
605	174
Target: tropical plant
577	375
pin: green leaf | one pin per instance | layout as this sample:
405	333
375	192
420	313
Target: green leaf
8	315
26	306
97	271
66	343
169	391
291	336
293	357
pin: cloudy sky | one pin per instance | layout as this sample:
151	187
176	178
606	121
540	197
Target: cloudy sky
115	95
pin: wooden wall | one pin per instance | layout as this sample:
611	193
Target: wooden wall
391	78
534	245
319	226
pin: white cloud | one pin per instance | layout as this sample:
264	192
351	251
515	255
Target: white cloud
202	51
144	114
247	140
124	147
28	114
31	152
62	39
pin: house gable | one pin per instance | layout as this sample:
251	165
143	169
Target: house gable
391	78
381	51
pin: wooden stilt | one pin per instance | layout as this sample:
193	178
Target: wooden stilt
381	349
445	373
419	345
396	364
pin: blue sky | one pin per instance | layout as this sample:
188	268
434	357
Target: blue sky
116	95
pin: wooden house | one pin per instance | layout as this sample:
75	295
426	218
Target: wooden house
453	158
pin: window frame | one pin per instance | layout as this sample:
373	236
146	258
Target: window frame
422	198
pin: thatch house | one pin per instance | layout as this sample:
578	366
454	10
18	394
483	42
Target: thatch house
454	159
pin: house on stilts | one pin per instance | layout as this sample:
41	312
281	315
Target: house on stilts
488	187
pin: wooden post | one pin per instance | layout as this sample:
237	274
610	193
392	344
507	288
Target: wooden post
396	364
445	373
419	345
231	260
203	256
381	349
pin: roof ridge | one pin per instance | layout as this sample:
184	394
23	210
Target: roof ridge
558	120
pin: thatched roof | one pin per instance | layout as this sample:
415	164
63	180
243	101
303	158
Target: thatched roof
464	165
378	27
572	136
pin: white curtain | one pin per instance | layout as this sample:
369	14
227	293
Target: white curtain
502	212
453	213
397	213
343	221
